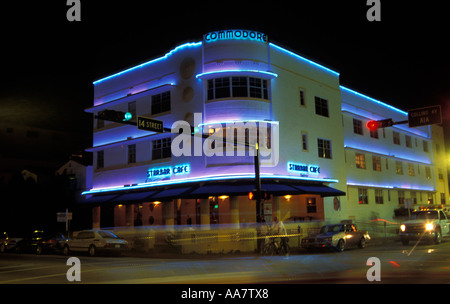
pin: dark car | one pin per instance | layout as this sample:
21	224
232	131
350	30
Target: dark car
7	243
39	242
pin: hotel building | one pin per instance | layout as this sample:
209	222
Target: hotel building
318	159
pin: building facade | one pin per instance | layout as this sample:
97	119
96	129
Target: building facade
318	161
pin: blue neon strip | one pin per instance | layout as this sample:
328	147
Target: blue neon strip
374	100
189	44
202	179
304	59
236	71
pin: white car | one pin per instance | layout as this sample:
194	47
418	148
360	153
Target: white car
93	241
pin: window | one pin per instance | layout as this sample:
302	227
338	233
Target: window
242	86
396	138
411	169
425	146
374	133
131	154
357	126
440	173
401	198
324	148
379	196
100	159
427	172
442	202
399	167
362	196
239	86
132	109
161	103
413	197
408	141
302	93
360	160
161	148
305	141
321	106
311	206
376	163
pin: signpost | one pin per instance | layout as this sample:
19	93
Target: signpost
64	217
425	116
149	124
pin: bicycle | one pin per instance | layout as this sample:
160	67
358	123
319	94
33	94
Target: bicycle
274	246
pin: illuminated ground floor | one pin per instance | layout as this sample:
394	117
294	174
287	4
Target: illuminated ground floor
209	204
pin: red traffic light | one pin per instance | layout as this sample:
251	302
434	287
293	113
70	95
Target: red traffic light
372	125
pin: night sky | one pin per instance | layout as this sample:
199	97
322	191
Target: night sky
49	63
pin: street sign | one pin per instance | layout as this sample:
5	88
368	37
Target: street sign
424	116
149	124
61	217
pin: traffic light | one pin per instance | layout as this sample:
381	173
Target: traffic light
373	125
264	195
113	115
194	130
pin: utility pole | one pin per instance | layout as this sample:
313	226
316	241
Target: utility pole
257	184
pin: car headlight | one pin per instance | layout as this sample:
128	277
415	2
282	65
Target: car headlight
402	227
429	226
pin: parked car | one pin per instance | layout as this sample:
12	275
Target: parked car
338	236
7	243
93	241
39	241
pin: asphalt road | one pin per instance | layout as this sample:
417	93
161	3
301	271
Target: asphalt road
398	264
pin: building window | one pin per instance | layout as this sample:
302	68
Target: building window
161	148
311	206
357	127
374	133
362	196
425	146
413	197
132	109
411	169
302	93
401	198
324	148
379	196
360	160
442	198
239	87
226	87
321	106
100	159
131	154
408	141
427	172
396	137
376	163
304	141
440	174
160	103
399	167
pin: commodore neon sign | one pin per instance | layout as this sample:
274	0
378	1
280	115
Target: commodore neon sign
164	172
303	169
235	34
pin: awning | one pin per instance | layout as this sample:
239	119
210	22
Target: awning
171	193
135	197
222	189
99	199
319	189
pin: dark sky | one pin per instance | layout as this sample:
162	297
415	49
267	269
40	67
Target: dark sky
49	63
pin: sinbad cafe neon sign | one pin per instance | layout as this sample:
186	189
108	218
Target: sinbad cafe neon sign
235	34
